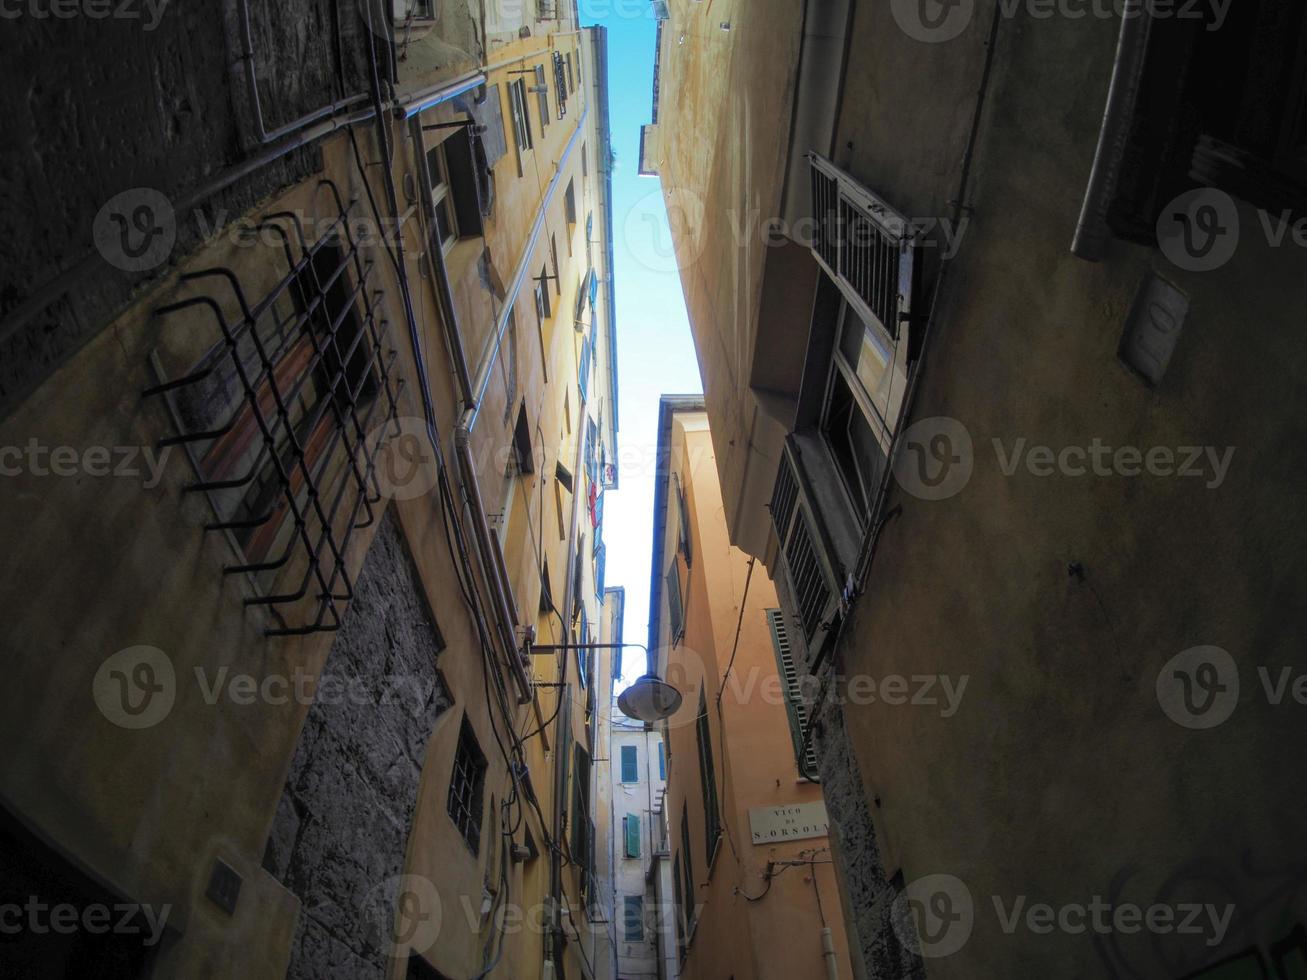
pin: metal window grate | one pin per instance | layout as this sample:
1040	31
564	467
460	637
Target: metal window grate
560	84
466	786
867	247
279	408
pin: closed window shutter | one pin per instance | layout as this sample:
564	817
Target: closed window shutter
630	773
805	754
632	826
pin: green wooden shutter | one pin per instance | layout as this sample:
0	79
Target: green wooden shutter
805	754
630	765
632	826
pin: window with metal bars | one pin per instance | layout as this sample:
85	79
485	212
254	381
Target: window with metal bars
560	84
712	819
805	755
281	401
466	787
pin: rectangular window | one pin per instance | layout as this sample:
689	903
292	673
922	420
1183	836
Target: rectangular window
662	762
466	787
523	140
631	830
543	309
675	604
687	868
683	521
560	84
630	764
569	203
712	821
571	77
580	840
678	897
633	918
805	755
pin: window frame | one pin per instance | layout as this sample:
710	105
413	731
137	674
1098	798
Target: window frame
469	769
632	832
712	815
633	904
634	757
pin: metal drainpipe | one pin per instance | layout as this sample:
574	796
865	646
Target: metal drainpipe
1092	232
828	953
491	554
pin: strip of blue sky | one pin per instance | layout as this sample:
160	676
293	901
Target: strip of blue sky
655	353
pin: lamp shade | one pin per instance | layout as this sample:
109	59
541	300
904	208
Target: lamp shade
649	699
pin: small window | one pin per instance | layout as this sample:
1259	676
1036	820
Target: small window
630	764
687	868
675	604
546	590
569	203
466	787
523	140
522	448
571	78
633	918
683	518
631	833
662	762
585	160
510	372
712	821
455	196
543	310
564	476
